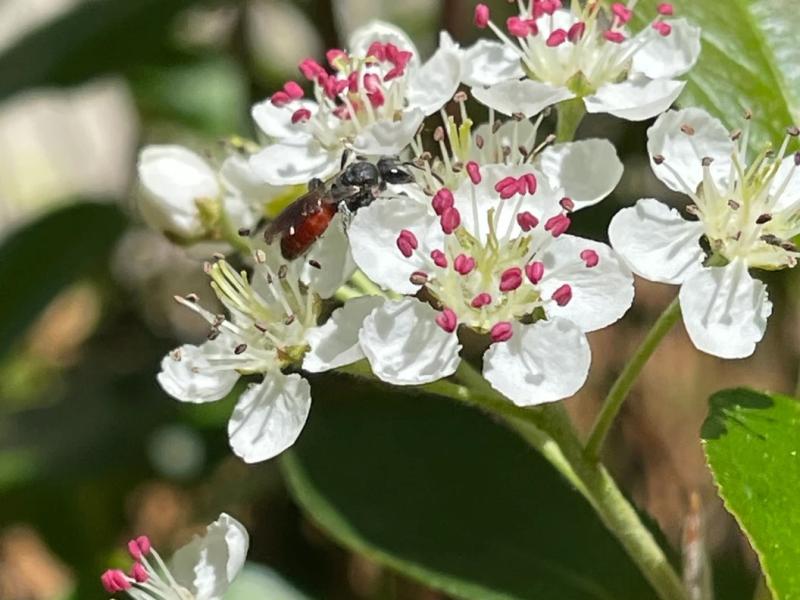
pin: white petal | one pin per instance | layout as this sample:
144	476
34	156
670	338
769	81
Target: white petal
656	242
433	85
587	170
335	343
635	99
560	19
683	153
405	346
332	253
187	375
380	31
668	56
373	238
725	310
275	122
208	564
295	161
600	294
543	362
389	137
526	96
787	178
246	194
488	62
269	416
174	178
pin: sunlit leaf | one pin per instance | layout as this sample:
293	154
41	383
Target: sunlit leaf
752	442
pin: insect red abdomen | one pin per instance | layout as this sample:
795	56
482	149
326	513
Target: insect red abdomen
306	230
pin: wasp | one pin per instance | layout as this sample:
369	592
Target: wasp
357	185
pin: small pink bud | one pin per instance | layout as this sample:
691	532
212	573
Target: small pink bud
533	28
442	200
108	583
407	243
293	89
311	69
464	264
474	172
534	271
481	300
590	258
450	220
666	9
378	50
615	37
663	28
511	279
280	98
352	82
576	32
526	220
301	115
517	27
439	258
501	332
139	573
622	12
567	204
481	16
418	278
333	55
139	547
372	83
376	98
447	320
529	179
557	225
548	7
509	186
556	38
563	295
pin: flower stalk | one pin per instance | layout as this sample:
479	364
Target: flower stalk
630	373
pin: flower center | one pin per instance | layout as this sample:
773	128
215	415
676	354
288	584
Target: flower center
573	48
269	315
750	215
488	276
355	93
149	577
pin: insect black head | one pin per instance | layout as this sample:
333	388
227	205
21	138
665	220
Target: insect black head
392	172
360	174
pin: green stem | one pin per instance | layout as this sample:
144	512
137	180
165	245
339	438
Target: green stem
619	391
570	115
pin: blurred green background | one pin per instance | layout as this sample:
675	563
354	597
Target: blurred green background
92	451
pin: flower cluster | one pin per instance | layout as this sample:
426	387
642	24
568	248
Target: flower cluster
477	249
549	54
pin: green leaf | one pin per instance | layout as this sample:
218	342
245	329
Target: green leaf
750	60
209	94
92	39
752	443
451	498
38	260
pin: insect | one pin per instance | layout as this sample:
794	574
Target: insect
357	185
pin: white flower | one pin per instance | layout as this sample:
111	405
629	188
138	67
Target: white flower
183	195
494	257
745	215
551	54
201	570
373	102
272	327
